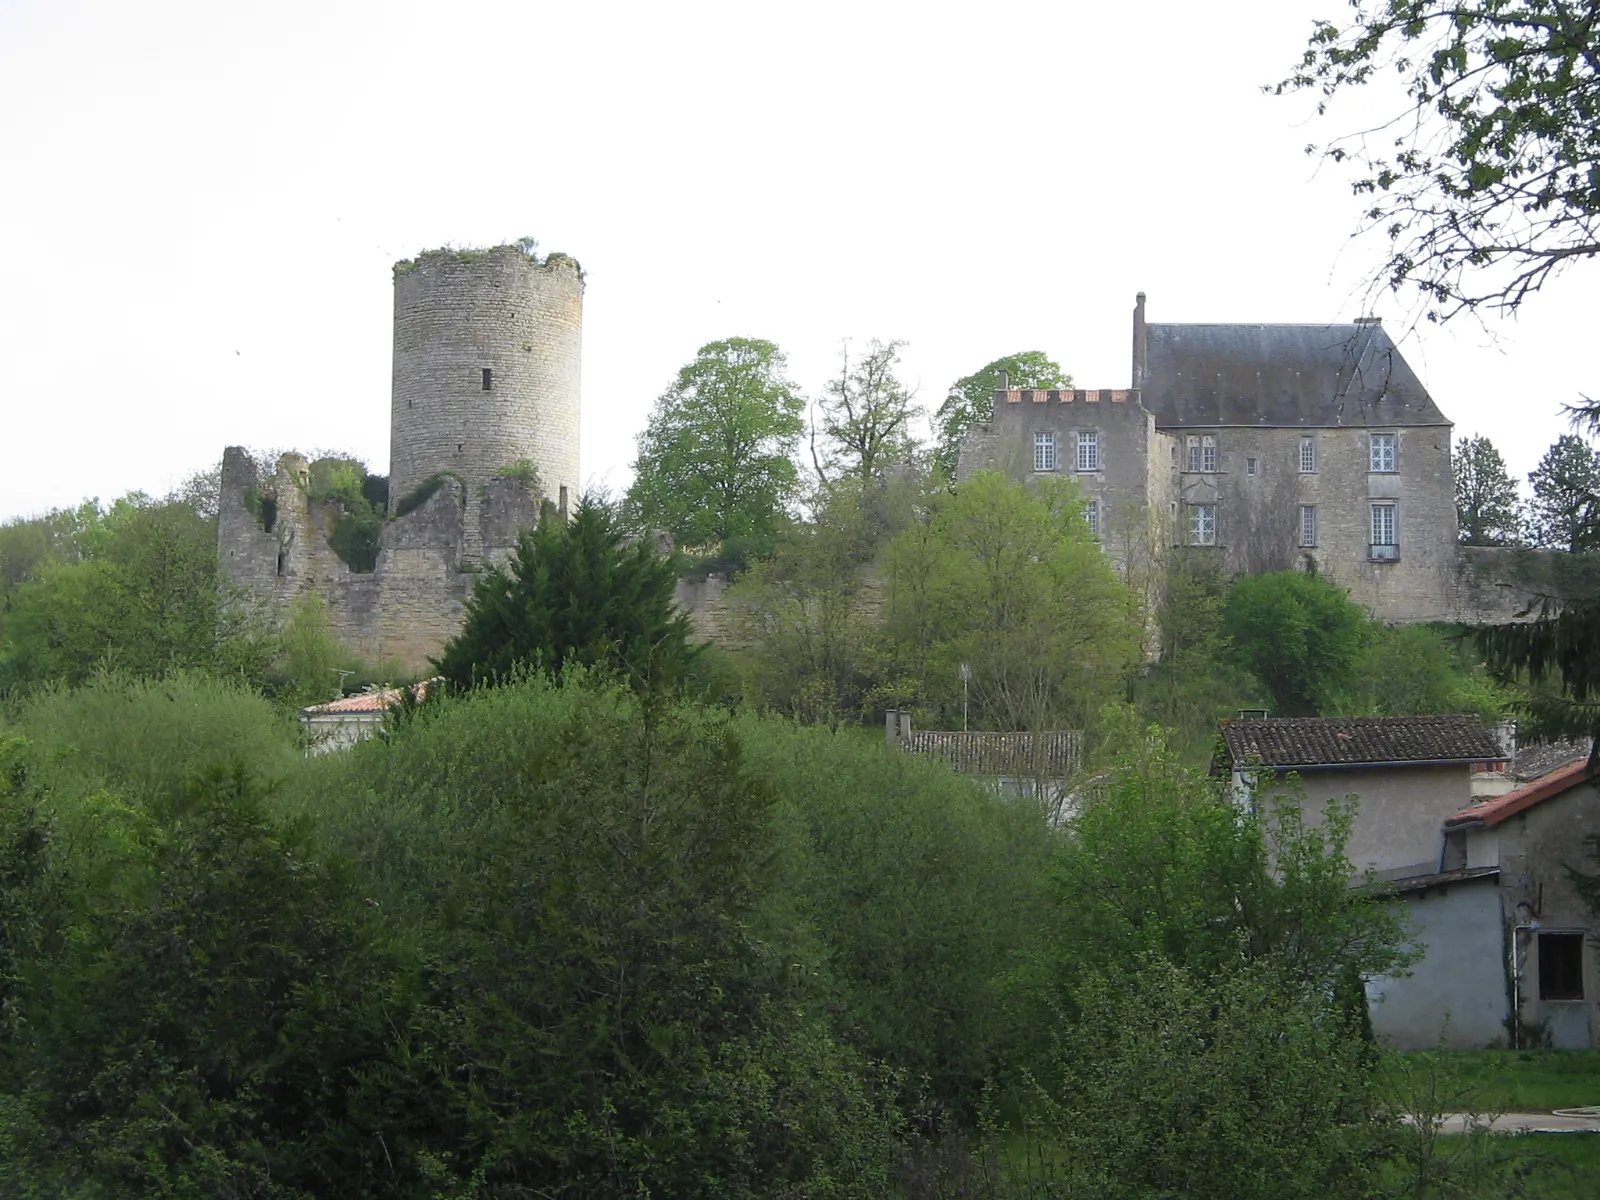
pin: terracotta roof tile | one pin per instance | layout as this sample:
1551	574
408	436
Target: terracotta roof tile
376	701
1355	741
1492	812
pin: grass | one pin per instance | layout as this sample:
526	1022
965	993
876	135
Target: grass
1514	1080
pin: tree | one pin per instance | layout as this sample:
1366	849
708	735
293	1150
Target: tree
1487	186
971	399
866	416
715	459
573	594
1488	510
142	592
1005	578
1566	493
1299	634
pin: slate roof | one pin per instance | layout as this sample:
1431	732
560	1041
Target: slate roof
1492	812
1286	742
1281	376
1011	755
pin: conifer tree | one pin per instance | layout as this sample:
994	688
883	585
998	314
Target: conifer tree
574	594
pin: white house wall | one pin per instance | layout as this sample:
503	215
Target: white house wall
1457	992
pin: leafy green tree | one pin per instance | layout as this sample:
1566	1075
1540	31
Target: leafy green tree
866	415
1489	187
1006	578
573	594
716	459
201	1014
1566	494
620	998
1299	634
1488	510
914	969
971	399
147	596
807	616
1191	957
1197	680
1415	670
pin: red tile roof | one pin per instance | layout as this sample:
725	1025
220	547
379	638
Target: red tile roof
1492	812
1286	742
376	701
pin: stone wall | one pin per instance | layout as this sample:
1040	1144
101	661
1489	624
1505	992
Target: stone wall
486	371
413	602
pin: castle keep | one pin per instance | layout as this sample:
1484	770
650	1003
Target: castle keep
483	426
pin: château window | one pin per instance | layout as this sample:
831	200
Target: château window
1383	456
1091	516
1088	450
1308	455
1203	453
1561	966
1385	533
1249	466
1308	524
1044	452
1203	524
488	378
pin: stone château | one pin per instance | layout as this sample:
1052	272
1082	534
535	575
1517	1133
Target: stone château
1270	446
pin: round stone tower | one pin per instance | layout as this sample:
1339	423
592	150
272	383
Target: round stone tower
486	347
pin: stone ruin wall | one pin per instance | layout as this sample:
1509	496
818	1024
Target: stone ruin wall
412	603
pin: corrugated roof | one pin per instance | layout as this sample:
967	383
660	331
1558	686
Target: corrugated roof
1299	376
1012	755
1492	812
1354	741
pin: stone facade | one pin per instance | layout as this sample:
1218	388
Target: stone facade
486	380
1273	446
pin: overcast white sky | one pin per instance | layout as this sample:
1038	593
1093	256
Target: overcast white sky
202	202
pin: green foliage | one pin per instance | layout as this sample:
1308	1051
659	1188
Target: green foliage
525	471
1415	670
616	1002
1566	493
1490	187
143	739
199	1007
971	400
866	415
921	887
807	613
1197	680
1180	1019
1174	1083
573	594
144	594
1488	510
715	461
362	499
1299	634
1006	579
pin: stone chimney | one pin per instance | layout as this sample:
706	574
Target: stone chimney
1139	358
